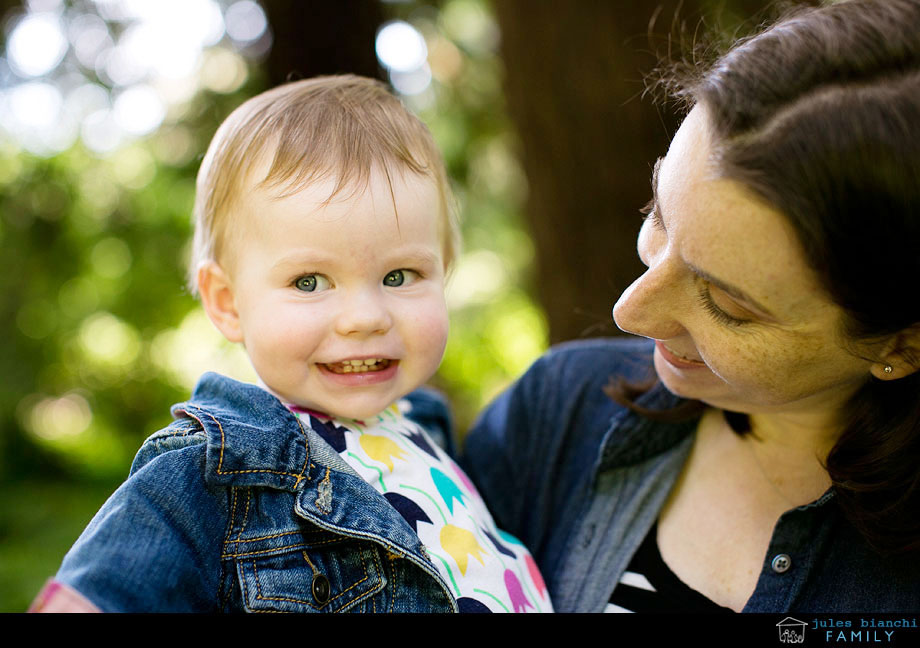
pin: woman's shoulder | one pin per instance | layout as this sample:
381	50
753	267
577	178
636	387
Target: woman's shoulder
563	395
628	357
581	369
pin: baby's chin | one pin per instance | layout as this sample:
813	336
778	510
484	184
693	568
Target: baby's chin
349	413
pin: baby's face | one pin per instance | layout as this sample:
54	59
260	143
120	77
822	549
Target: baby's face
341	305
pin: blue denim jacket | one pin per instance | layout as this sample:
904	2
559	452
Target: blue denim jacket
236	507
580	480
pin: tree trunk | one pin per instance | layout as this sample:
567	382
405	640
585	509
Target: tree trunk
313	37
574	84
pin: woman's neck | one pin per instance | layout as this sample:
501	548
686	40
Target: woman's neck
808	435
789	452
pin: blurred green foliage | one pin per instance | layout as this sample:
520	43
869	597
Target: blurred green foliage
94	256
102	337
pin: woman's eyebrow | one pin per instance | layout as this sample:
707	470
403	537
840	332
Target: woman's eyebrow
737	293
655	170
729	289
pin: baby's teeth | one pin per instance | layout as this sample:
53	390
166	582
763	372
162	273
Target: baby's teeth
352	366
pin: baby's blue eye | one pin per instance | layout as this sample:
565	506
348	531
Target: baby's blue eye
395	278
306	284
311	283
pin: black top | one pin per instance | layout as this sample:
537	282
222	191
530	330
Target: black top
661	590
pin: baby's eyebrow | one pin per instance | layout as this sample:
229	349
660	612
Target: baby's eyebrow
417	257
303	257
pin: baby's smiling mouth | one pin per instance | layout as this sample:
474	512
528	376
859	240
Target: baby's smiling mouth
358	366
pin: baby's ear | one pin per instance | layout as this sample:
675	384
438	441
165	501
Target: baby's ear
216	292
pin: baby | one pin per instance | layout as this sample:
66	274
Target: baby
323	234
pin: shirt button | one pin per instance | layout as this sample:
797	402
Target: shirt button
781	563
321	589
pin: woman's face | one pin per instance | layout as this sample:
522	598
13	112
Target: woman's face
738	318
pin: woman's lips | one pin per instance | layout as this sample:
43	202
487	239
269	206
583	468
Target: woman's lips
676	360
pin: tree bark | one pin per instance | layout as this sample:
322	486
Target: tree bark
574	84
313	37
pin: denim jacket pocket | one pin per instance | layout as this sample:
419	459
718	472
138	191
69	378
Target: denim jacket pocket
328	573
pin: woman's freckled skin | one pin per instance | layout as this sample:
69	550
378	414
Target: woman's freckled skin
790	363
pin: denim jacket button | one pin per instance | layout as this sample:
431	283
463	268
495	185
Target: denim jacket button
321	589
781	563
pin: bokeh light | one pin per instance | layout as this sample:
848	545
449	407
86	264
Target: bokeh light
401	47
402	50
245	21
108	342
138	110
56	418
37	44
108	72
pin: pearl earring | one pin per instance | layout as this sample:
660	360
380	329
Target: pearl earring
888	369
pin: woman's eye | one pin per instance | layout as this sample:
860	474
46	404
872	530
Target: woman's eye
651	215
716	312
311	283
400	278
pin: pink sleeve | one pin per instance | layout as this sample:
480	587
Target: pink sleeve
57	597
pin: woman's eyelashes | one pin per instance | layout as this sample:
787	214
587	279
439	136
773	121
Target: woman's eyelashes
650	213
715	311
653	216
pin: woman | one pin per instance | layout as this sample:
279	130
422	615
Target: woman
773	466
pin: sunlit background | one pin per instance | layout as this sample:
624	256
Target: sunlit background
105	109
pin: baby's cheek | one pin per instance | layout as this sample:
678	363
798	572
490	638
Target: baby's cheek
430	332
436	330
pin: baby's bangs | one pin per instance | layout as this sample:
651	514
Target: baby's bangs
345	152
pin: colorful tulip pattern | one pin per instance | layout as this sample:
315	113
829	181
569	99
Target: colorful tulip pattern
487	569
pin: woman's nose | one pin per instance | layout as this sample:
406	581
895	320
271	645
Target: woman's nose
648	307
364	313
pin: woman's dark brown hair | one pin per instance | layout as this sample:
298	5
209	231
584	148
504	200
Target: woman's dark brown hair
819	114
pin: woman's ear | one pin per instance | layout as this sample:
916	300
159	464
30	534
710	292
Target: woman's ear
216	292
903	358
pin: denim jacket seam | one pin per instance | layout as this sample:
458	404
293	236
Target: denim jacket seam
426	564
282	549
223	441
168	433
329	603
376	558
224	595
268	537
232	494
245	520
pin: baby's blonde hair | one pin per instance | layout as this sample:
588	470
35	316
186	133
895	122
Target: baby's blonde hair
338	127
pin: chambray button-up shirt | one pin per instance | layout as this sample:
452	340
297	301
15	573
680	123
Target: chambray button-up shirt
580	480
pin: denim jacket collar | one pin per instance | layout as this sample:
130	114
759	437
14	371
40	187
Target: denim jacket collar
252	438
